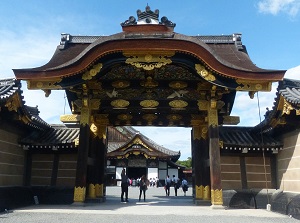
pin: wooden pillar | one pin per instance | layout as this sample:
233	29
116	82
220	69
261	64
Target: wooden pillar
206	164
197	163
99	147
214	155
200	158
82	158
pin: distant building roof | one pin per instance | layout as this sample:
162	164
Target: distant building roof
14	108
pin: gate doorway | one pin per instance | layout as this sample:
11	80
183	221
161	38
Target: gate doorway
136	172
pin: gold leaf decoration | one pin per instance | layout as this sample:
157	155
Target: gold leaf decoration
88	75
120	103
149	83
148	60
207	75
174	117
178	84
79	194
124	117
178	104
217	197
120	84
149	118
149	103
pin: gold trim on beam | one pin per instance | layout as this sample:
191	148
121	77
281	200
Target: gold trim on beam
148	60
70	118
231	120
49	84
253	85
88	75
207	75
287	107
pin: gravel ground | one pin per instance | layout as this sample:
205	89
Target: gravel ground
156	208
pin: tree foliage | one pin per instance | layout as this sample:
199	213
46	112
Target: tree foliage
187	163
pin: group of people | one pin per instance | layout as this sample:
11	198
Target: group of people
144	183
177	184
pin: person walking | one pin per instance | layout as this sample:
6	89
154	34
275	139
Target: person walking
184	185
124	186
143	187
167	185
175	182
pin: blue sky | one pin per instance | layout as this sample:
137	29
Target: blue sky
30	31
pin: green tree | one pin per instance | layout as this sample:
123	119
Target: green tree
187	163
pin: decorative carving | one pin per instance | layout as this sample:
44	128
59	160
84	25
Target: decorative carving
204	131
92	191
149	118
231	120
178	94
199	192
13	103
221	144
95	104
202	105
79	194
174	117
196	132
76	142
178	104
178	84
70	118
137	162
85	116
101	119
119	103
213	117
149	103
149	83
207	75
206	193
99	190
125	117
51	84
113	94
253	86
148	61
287	107
120	84
217	197
88	75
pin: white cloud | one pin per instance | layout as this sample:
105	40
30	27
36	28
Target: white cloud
293	73
291	7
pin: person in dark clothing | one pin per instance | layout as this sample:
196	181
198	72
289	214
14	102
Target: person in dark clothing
124	186
143	187
167	185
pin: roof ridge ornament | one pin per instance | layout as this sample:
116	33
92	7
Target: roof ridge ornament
148	17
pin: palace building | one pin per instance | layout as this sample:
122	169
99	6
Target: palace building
149	75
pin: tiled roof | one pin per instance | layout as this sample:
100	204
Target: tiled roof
228	49
57	135
290	90
10	87
237	138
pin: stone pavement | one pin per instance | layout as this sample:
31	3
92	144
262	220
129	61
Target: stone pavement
157	208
